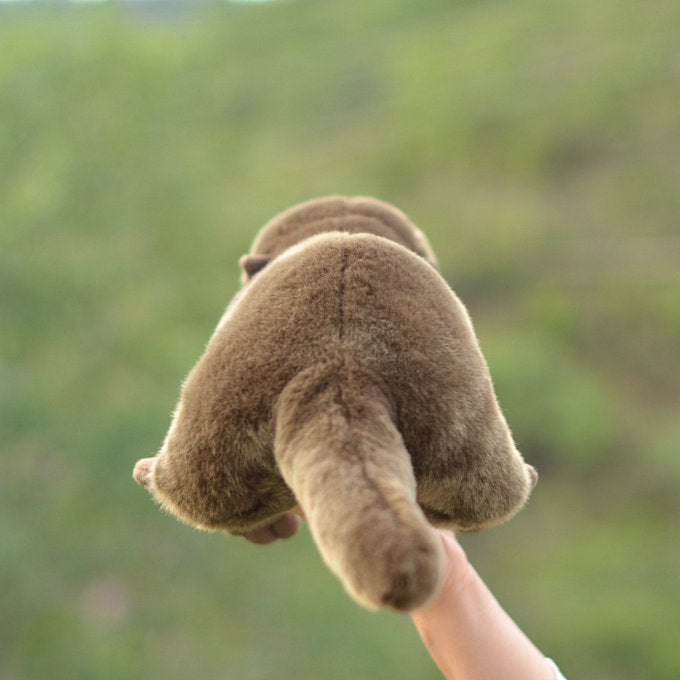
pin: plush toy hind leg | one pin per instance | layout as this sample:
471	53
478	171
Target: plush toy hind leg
217	482
483	484
282	526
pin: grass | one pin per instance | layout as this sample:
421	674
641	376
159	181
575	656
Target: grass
535	143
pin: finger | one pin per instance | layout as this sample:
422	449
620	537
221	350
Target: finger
297	510
261	535
284	526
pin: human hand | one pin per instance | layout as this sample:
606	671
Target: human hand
467	632
283	526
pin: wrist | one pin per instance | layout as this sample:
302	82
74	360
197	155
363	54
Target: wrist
458	576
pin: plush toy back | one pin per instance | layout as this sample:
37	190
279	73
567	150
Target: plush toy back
345	377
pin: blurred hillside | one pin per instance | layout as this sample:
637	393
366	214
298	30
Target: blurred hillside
538	146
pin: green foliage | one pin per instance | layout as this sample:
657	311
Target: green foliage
536	143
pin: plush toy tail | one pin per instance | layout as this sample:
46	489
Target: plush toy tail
341	454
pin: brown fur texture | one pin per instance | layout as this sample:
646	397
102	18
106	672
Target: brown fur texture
345	376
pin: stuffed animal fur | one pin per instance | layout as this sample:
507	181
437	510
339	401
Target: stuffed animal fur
345	377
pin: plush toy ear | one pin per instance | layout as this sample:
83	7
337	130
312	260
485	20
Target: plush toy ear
251	264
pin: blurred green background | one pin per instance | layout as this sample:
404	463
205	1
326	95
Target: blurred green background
536	142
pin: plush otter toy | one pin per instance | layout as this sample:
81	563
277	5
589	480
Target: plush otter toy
345	377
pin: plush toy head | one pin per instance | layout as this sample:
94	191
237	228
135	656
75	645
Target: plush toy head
345	377
350	216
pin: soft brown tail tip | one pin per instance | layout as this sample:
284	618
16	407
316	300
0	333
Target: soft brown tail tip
416	579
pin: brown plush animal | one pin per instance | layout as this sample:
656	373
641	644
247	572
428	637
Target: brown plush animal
345	376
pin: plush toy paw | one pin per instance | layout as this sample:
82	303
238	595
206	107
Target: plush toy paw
533	474
142	471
